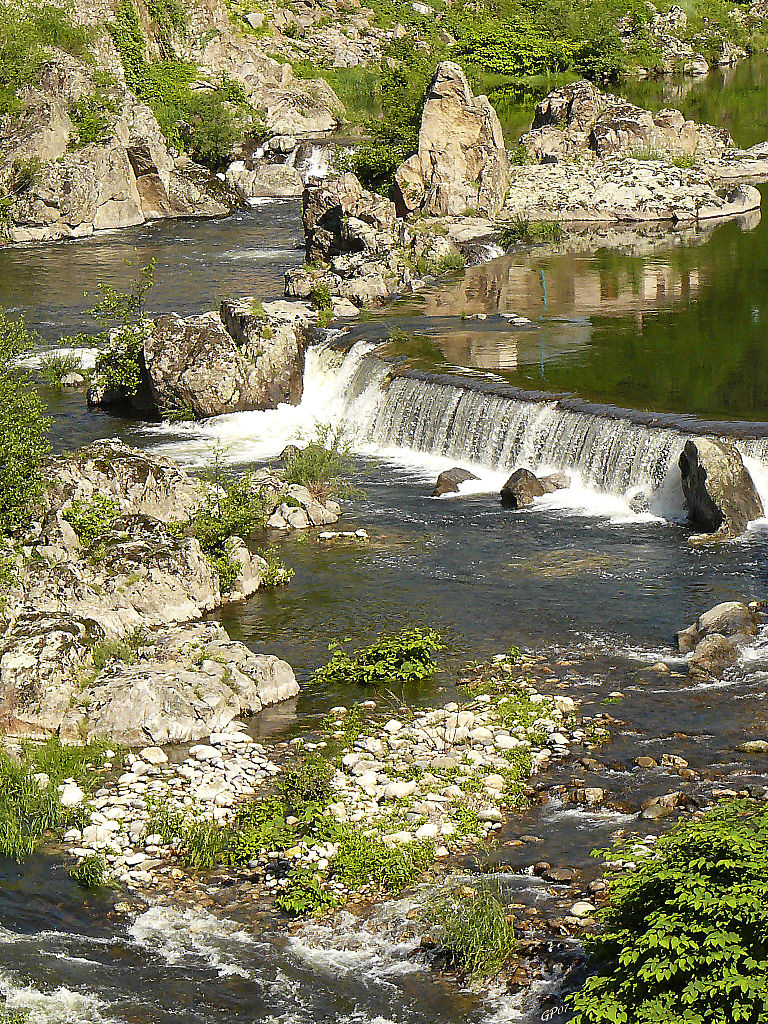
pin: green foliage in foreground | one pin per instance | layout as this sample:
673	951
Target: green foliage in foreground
14	1017
261	825
475	932
403	658
31	808
686	933
28	33
323	465
23	429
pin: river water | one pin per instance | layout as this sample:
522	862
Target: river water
666	325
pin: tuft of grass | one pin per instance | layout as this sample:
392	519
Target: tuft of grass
124	649
54	368
523	231
320	297
475	933
276	573
90	873
306	781
322	465
91	519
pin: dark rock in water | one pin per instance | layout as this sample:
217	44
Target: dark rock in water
521	489
731	619
555	482
289	452
449	480
713	655
639	503
718	490
561	876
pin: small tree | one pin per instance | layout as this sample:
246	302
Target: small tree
23	429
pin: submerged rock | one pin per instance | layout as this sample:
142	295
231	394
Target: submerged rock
718	490
521	489
713	655
449	480
461	161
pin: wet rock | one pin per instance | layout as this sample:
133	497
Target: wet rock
730	618
560	876
582	909
713	655
461	160
555	482
718	490
646	762
521	489
655	811
449	480
755	747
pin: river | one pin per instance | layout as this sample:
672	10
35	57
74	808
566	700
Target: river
673	327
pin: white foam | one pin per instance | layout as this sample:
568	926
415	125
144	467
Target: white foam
175	934
60	1006
86	356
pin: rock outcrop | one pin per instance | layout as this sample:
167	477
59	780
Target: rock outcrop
235	360
719	492
128	177
579	118
87	644
521	489
461	161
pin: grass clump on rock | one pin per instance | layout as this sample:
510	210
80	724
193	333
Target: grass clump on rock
685	934
403	658
522	231
91	872
323	465
475	933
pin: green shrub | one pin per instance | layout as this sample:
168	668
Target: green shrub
91	872
23	174
450	263
322	466
275	574
306	781
403	658
93	118
23	429
119	366
53	369
685	935
362	860
305	894
91	519
320	296
475	932
14	1017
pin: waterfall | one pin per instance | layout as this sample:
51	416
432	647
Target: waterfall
490	424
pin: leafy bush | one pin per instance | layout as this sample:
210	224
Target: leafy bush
276	574
92	117
119	364
686	933
320	296
11	1017
90	519
91	872
306	781
322	465
53	369
475	932
404	658
22	176
23	430
305	894
362	860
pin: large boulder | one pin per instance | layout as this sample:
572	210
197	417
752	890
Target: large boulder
579	118
713	655
342	217
461	161
231	361
449	481
718	490
521	489
126	177
729	619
